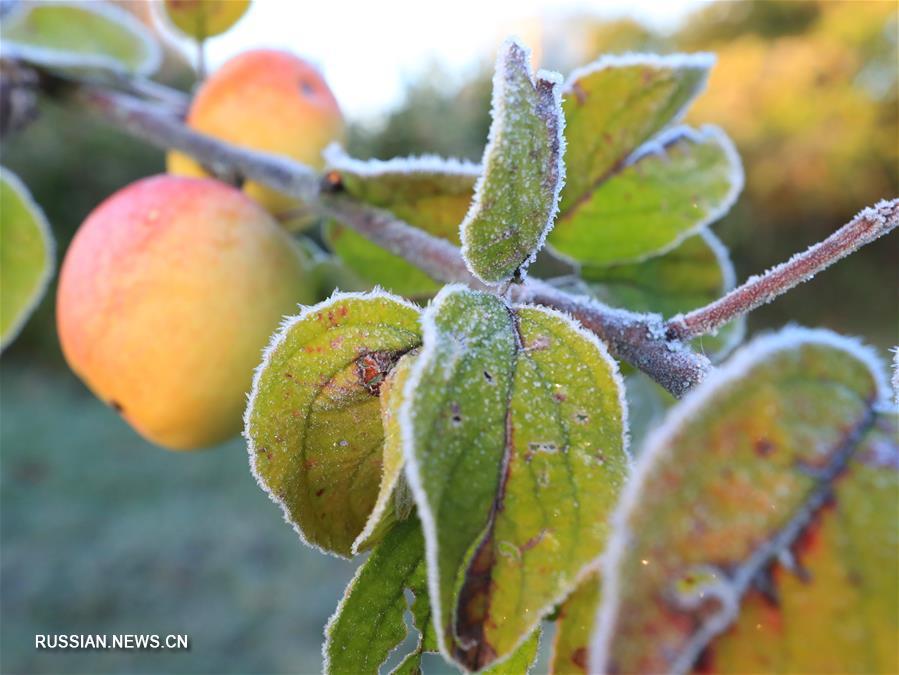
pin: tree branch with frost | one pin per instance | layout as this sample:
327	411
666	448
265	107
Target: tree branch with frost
870	224
645	341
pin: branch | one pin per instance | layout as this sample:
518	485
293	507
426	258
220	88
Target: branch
637	338
870	224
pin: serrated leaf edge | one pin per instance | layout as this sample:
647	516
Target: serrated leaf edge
49	251
496	104
412	467
63	59
656	446
277	339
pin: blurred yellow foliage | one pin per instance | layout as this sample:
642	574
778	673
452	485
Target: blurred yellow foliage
814	114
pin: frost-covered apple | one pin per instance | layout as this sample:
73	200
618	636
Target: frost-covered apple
166	297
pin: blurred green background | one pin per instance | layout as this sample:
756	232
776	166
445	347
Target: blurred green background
102	533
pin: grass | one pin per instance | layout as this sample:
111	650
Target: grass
104	533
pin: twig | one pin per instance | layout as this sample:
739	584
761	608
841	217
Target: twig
645	341
870	224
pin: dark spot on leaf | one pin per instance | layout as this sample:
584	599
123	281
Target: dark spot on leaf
579	658
320	492
457	416
115	405
488	377
373	368
763	447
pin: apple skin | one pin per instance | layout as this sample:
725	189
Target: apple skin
168	295
267	100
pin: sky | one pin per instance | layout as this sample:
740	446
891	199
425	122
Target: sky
369	49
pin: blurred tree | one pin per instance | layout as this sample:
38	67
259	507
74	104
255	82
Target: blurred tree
437	115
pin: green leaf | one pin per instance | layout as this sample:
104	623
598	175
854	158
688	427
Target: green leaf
369	622
836	610
394	501
741	469
517	195
616	104
692	275
376	265
80	35
513	429
521	660
313	421
671	188
574	627
201	19
427	192
27	255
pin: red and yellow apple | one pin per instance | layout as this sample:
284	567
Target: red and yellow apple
271	101
167	296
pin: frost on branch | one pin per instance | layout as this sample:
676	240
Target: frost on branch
313	421
27	248
428	192
517	195
698	271
669	189
724	500
79	35
514	429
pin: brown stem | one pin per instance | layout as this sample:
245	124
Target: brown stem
870	224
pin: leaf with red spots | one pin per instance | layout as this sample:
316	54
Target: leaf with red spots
513	429
574	627
735	489
829	604
313	421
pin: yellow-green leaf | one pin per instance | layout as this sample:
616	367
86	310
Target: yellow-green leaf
517	195
513	429
201	19
369	622
26	255
575	624
741	469
669	189
92	35
427	192
313	421
833	607
616	104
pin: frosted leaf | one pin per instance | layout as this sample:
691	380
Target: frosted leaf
27	255
574	628
313	421
616	104
79	35
669	189
513	426
741	469
517	195
428	192
369	622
